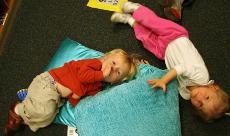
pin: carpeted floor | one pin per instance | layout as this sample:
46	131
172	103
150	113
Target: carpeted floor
40	26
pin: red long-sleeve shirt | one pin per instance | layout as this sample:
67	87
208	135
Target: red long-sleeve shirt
83	77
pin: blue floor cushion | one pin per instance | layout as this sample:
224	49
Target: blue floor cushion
132	108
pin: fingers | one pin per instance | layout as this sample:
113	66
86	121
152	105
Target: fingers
106	69
164	88
152	81
145	61
103	66
157	83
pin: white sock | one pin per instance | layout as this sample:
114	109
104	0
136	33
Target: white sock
129	7
131	21
120	18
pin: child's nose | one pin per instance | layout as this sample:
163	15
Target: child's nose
114	68
197	103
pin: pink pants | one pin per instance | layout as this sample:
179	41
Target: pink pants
154	32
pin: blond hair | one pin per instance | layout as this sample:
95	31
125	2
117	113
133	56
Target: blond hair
220	110
130	60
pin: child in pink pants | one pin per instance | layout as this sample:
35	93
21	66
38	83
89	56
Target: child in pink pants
155	32
169	41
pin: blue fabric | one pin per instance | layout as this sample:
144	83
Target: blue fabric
71	50
128	109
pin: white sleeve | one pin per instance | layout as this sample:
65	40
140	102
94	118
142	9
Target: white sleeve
196	73
179	69
186	60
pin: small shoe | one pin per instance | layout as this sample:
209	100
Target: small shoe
173	13
129	7
120	18
165	3
14	121
22	94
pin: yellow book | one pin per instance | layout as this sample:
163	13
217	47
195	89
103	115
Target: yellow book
111	5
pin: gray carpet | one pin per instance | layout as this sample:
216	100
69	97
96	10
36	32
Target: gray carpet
40	26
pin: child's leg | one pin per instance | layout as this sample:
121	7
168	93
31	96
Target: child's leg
145	35
159	26
40	105
155	32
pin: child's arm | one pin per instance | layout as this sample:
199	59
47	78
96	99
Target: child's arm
90	72
162	82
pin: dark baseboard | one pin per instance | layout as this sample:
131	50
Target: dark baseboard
8	22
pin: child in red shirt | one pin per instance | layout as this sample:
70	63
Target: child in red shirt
74	80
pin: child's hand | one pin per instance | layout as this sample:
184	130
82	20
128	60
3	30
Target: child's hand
142	61
158	83
106	69
74	96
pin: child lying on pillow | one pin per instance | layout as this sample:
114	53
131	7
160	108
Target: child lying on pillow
74	80
170	42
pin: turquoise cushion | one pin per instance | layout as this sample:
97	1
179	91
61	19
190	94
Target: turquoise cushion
128	109
71	50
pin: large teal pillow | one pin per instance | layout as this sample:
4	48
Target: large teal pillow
128	109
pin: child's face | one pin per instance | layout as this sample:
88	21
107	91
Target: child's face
118	66
205	99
